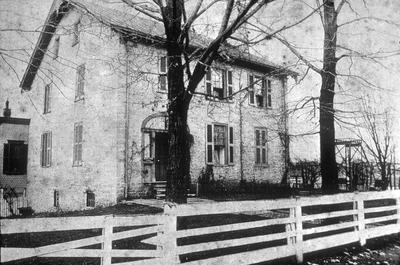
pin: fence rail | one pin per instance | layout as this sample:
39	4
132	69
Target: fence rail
243	232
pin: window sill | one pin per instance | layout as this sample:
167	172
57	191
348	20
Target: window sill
77	165
215	99
220	165
261	166
162	91
148	161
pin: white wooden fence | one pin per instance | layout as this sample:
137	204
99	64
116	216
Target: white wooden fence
11	206
243	232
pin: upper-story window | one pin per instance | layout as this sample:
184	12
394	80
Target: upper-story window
80	82
56	47
76	33
260	91
219	149
46	107
219	83
162	73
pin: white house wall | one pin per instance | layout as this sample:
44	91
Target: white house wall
98	113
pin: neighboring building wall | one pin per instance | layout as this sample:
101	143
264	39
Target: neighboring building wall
15	132
99	112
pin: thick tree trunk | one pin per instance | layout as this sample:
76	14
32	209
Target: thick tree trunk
178	168
326	119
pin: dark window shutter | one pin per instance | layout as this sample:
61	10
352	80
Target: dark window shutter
6	158
209	151
251	88
231	153
208	82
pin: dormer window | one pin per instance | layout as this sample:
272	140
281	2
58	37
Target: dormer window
219	84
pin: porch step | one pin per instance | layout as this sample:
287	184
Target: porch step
160	188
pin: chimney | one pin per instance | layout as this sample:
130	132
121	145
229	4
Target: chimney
7	110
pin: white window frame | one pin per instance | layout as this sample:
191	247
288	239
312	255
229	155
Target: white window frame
261	146
210	145
260	86
45	149
78	145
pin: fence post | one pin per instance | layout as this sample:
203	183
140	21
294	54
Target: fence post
359	205
291	227
107	240
170	236
299	231
398	211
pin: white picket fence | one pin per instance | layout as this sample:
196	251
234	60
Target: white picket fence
12	205
247	231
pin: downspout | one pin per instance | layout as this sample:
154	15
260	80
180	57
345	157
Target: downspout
126	171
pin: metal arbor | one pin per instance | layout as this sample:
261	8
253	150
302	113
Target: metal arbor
351	167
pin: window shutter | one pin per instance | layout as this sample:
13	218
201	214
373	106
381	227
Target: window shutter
258	147
49	149
269	93
163	67
263	144
231	153
230	84
80	129
209	144
224	83
251	88
6	158
208	82
42	150
24	157
56	47
46	99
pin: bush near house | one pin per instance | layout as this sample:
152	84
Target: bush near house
218	188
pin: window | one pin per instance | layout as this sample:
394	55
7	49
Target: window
219	149
56	47
75	33
45	157
56	197
162	77
80	82
15	158
78	140
46	108
219	83
261	146
90	199
260	91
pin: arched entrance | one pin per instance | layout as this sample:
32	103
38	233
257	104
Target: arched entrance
154	147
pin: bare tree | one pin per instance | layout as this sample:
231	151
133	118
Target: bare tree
376	133
178	23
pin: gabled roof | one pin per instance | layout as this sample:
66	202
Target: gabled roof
132	26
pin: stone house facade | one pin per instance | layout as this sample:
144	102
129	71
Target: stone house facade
98	77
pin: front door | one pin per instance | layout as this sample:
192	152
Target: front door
161	156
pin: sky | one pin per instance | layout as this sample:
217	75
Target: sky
21	21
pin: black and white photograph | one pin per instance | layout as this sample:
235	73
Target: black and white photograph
199	132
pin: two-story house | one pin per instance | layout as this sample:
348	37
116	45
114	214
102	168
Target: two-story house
99	78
